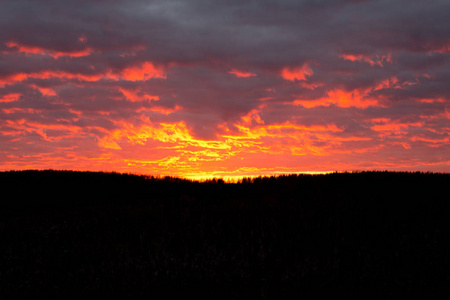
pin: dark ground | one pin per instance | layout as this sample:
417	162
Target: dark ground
68	233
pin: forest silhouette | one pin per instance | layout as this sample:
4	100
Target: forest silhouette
95	233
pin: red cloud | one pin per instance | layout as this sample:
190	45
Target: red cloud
136	96
142	72
9	97
42	51
341	98
372	60
44	91
241	74
299	73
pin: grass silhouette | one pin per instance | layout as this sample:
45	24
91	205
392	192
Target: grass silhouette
91	233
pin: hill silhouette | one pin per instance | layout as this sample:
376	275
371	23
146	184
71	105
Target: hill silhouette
92	233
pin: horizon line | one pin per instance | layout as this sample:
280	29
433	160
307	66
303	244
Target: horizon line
225	178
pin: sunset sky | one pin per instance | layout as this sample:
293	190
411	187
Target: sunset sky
225	88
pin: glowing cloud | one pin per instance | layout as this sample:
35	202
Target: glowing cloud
376	60
241	74
42	51
341	98
44	91
142	72
300	73
136	96
232	89
10	97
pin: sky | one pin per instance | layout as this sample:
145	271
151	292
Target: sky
225	88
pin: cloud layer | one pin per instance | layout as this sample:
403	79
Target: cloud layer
224	88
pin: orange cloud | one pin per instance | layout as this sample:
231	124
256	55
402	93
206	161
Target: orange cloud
258	138
241	74
377	60
396	132
387	127
19	77
286	138
48	132
249	148
42	51
175	151
432	142
432	100
141	72
341	98
165	110
9	97
300	73
20	110
388	84
310	86
172	133
254	116
135	96
44	91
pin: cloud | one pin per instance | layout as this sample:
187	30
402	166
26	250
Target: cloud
376	61
241	74
273	85
301	73
10	97
42	51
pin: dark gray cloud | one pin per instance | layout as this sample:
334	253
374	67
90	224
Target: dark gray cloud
73	62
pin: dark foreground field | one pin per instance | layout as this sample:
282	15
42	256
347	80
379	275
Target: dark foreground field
80	233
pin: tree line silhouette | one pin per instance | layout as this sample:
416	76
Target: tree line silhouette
98	233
